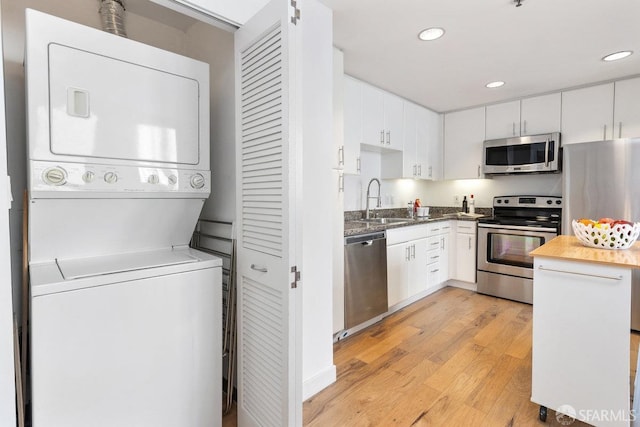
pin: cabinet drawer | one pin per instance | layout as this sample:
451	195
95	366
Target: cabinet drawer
405	234
438	228
433	256
467	227
434	243
433	274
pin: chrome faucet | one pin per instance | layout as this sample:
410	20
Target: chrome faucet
379	201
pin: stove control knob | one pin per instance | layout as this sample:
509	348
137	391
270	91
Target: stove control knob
88	176
549	202
153	179
197	181
110	177
558	202
506	200
499	201
55	176
173	179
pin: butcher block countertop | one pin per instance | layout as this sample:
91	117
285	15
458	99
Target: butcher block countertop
569	248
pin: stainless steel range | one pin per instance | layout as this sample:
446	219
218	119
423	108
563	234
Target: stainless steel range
519	225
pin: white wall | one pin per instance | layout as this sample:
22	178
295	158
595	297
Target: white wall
318	370
7	374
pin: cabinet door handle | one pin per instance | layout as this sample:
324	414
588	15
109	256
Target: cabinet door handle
413	251
478	171
341	183
341	156
259	268
358	164
419	170
580	274
442	243
382	136
469	242
408	253
514	129
388	137
620	130
414	170
524	125
430	171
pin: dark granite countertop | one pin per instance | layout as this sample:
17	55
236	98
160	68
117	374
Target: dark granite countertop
352	226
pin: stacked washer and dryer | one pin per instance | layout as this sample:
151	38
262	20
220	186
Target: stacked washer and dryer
125	317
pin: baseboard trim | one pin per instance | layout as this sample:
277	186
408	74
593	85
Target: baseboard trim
463	285
318	382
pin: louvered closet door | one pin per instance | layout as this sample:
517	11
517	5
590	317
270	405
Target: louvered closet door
269	373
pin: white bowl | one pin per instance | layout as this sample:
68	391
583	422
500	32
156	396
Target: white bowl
620	236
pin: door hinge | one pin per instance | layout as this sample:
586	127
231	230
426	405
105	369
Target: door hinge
296	12
296	277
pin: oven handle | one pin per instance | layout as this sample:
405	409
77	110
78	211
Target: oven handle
517	227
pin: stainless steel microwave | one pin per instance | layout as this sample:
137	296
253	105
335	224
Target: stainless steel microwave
534	153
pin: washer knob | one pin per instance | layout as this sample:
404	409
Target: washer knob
153	179
88	176
110	177
173	179
197	181
55	176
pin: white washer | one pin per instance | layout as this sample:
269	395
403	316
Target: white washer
127	340
125	317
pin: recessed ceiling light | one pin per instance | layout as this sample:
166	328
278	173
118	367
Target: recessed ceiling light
431	34
617	55
494	84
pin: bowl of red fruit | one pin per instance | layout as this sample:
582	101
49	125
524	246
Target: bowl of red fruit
606	233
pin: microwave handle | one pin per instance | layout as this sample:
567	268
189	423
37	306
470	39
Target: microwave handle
546	154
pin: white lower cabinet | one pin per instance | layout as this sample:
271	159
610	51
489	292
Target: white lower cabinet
465	265
406	263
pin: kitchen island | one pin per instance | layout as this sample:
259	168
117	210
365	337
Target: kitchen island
581	323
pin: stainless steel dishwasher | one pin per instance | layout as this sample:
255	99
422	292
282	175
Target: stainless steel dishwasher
365	277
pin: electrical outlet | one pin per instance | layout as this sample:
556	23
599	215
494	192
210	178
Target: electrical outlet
456	200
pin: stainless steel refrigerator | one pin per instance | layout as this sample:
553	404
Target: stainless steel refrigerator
602	179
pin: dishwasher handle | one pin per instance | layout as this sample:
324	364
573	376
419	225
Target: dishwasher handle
367	243
365	238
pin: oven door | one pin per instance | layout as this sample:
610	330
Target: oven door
504	249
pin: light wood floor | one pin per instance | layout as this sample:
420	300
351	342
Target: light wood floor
455	358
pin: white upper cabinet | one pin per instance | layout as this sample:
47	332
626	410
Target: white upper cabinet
409	151
393	125
372	116
338	159
627	109
463	137
381	118
429	144
540	114
529	116
503	120
352	110
587	114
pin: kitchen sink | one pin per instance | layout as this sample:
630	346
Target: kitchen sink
384	220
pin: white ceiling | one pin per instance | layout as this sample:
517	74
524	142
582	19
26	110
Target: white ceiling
542	46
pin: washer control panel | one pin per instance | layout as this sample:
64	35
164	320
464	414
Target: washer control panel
76	177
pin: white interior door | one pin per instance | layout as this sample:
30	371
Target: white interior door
269	350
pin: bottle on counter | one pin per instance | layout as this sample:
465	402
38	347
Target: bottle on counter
465	208
416	205
410	209
472	205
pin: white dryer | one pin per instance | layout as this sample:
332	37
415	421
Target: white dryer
125	317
